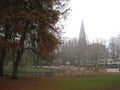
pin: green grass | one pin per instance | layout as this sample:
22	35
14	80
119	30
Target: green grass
29	70
111	82
33	70
108	82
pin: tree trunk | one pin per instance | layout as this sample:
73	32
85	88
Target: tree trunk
16	64
2	59
18	57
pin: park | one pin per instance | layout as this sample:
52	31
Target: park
35	55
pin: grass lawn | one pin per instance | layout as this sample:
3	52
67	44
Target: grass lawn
109	82
34	70
29	70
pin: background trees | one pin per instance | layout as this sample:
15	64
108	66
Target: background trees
98	52
88	55
114	46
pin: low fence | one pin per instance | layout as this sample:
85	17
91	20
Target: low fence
113	70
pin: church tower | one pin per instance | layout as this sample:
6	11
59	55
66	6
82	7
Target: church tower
82	36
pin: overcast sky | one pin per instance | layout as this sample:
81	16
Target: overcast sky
101	19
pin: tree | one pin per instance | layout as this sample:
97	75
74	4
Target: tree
115	47
98	52
31	21
3	47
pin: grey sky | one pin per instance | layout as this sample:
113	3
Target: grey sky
101	19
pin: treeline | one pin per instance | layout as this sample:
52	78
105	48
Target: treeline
91	54
83	55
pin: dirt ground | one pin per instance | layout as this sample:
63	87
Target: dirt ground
29	83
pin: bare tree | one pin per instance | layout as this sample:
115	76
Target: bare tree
114	46
67	52
98	52
83	55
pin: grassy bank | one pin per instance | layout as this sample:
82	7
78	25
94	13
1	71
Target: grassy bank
29	70
33	70
109	82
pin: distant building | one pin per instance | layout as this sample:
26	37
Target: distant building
82	35
82	46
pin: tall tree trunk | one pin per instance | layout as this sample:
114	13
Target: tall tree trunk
2	59
19	55
16	64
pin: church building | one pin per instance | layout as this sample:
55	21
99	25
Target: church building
82	36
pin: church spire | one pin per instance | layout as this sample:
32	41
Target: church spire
82	35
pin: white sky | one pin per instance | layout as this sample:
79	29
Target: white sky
101	19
